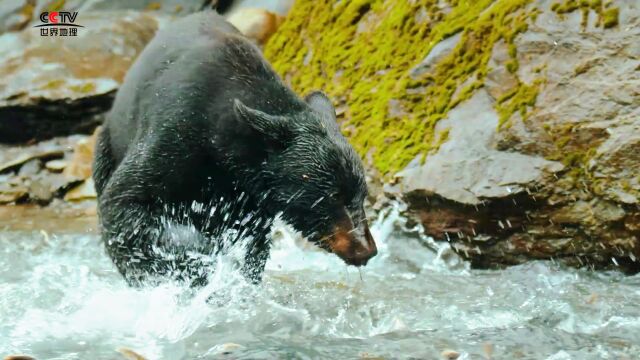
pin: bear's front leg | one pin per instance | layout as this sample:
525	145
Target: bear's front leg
142	238
257	253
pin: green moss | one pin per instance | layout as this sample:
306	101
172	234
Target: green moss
512	65
85	88
53	84
520	99
607	16
610	17
153	6
56	5
565	7
575	156
582	68
361	51
443	137
27	10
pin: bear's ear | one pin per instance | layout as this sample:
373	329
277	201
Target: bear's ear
320	102
275	128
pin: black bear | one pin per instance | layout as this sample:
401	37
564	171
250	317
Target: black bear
204	138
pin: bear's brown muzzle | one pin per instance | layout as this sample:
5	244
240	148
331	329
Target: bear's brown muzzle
354	246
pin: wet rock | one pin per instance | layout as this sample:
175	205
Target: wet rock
80	165
40	191
19	357
369	356
56	165
229	347
27	180
54	85
130	354
450	354
224	349
10	193
27	156
30	168
616	161
44	186
487	349
256	24
84	191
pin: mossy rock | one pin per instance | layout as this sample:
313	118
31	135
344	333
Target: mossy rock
362	51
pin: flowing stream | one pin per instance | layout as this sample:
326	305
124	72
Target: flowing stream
61	298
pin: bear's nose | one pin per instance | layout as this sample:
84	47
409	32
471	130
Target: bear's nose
366	251
354	247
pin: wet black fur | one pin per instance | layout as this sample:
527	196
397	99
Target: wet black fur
202	117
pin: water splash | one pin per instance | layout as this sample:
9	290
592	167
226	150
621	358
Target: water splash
62	299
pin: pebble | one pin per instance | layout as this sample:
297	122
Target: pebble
487	348
56	165
84	191
256	24
450	354
130	354
229	347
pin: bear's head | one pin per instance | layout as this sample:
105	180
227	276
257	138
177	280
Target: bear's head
314	177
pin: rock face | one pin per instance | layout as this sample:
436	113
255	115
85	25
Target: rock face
18	14
510	128
53	85
40	173
60	85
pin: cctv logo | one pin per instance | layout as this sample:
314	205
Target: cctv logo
55	18
58	23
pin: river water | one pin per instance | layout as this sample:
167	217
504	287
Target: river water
61	298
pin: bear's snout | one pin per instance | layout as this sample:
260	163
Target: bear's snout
354	246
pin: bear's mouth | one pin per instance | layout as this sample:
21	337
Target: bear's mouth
355	246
